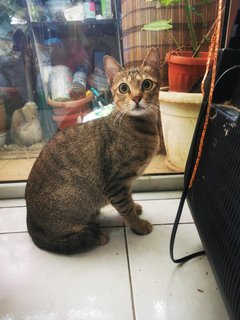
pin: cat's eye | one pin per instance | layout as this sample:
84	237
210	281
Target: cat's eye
124	88
147	84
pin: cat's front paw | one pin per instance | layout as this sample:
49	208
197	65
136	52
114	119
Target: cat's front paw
143	227
138	208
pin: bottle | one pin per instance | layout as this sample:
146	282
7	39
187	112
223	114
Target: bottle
100	101
98	9
106	9
78	88
60	80
89	10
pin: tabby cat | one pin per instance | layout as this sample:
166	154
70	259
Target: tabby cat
87	166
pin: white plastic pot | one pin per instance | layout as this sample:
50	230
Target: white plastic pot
179	112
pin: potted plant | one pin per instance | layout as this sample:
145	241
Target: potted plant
185	67
179	108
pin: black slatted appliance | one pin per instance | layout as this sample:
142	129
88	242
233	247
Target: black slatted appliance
214	198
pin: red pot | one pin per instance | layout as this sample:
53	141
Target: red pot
67	120
64	121
67	112
184	70
69	107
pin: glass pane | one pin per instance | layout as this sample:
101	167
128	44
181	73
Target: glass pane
16	89
51	73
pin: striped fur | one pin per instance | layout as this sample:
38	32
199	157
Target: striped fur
87	166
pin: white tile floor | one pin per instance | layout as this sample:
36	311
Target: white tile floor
132	277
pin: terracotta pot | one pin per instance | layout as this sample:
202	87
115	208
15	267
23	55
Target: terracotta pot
184	70
64	121
69	107
67	112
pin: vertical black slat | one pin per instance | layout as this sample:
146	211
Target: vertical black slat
215	205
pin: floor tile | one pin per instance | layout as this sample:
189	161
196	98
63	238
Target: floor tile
37	285
13	219
165	291
164	211
109	217
8	203
137	196
157	212
157	195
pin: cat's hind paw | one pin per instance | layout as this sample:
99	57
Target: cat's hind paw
103	238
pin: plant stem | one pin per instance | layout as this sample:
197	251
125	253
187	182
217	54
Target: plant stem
173	38
206	36
190	26
204	39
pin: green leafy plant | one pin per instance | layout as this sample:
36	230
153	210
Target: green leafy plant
161	25
8	8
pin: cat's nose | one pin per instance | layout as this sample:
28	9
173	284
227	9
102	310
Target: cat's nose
137	99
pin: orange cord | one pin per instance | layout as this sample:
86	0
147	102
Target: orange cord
212	56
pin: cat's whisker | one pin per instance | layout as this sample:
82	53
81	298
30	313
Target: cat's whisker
155	107
155	110
120	118
119	115
122	115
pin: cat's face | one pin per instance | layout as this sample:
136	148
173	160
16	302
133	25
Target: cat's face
135	91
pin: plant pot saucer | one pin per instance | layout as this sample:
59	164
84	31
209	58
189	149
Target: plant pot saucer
172	167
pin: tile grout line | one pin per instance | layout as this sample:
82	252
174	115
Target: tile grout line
157	199
129	275
108	227
11	207
13	232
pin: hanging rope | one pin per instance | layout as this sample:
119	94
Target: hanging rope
212	57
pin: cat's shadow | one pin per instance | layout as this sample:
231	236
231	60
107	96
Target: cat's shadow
108	218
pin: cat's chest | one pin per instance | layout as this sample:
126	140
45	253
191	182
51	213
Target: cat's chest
134	147
141	139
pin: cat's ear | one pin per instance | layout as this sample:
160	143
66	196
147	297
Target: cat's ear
111	67
152	58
